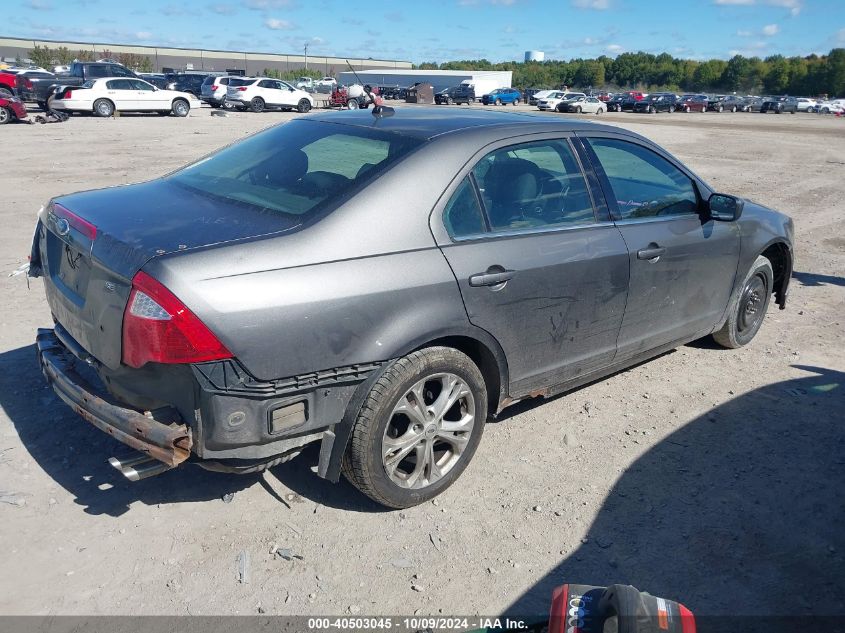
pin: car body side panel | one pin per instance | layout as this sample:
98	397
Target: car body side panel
291	321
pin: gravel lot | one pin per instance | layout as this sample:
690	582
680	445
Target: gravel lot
709	476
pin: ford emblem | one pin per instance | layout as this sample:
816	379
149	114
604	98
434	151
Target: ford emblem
62	227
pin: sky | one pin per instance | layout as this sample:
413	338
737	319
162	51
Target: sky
443	30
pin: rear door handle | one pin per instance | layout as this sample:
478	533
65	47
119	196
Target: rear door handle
491	278
653	251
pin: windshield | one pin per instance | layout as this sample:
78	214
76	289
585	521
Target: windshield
296	168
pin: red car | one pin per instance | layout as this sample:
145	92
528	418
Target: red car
7	83
693	103
11	108
637	95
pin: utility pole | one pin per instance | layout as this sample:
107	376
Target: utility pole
306	55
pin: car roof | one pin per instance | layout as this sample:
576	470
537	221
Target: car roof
429	122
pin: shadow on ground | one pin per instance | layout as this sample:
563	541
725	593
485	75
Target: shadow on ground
75	455
739	512
812	279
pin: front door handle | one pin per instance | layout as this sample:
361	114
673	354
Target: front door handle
491	278
652	251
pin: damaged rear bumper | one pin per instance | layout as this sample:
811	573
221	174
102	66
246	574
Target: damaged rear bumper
161	435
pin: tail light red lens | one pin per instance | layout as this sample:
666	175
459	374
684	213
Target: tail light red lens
67	94
28	84
75	222
242	88
159	328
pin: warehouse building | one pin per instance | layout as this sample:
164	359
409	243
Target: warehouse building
12	48
484	80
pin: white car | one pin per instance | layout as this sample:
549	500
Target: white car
124	94
837	106
259	93
555	100
589	105
806	105
538	96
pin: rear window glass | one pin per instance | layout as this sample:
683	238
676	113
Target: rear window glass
240	82
298	168
208	81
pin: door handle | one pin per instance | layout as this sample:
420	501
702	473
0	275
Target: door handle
653	251
491	278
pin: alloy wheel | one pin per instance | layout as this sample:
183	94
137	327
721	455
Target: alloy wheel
428	430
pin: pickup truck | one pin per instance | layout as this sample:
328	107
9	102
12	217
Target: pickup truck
39	89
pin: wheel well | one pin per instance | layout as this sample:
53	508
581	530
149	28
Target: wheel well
781	259
484	359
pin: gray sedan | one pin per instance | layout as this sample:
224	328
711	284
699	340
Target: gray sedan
382	284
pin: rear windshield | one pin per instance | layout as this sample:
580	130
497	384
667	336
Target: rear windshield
298	168
240	82
208	80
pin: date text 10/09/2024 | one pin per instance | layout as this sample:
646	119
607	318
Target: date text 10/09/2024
413	624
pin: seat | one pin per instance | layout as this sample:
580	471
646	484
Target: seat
512	187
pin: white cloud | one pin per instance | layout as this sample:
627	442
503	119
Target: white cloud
614	48
771	29
840	36
39	5
278	25
794	6
223	9
263	5
598	5
143	35
742	33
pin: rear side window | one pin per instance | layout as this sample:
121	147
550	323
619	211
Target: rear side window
224	81
644	184
534	185
463	215
298	168
120	84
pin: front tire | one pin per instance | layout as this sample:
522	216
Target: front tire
498	102
303	106
748	308
5	115
103	108
577	109
352	104
418	428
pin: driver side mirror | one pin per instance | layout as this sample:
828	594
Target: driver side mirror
724	208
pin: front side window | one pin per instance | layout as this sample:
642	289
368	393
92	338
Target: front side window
296	169
644	183
536	184
141	85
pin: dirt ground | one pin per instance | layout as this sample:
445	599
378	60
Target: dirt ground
709	476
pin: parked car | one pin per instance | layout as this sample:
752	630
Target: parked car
693	103
256	301
604	96
501	96
806	105
657	102
779	105
389	91
39	89
214	89
537	96
636	95
837	106
189	82
8	86
588	105
11	109
753	104
456	94
259	93
105	96
159	80
621	103
731	103
557	101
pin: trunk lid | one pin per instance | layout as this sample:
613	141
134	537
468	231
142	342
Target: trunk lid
89	255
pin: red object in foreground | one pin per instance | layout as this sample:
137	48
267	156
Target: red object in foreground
585	609
159	328
16	106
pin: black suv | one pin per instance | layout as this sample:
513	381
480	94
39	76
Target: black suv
620	103
188	82
455	94
657	102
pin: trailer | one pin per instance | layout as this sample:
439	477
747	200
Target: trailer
483	81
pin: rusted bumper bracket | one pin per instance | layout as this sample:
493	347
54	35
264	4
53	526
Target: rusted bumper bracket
165	438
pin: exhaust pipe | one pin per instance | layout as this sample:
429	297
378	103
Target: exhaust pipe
138	466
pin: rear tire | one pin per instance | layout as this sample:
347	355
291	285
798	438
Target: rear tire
103	108
747	308
181	108
257	104
407	445
352	104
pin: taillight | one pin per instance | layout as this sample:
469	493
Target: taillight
67	94
159	328
28	84
75	222
242	88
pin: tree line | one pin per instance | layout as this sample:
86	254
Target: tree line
813	75
47	58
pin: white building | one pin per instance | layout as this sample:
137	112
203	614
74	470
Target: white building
484	81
